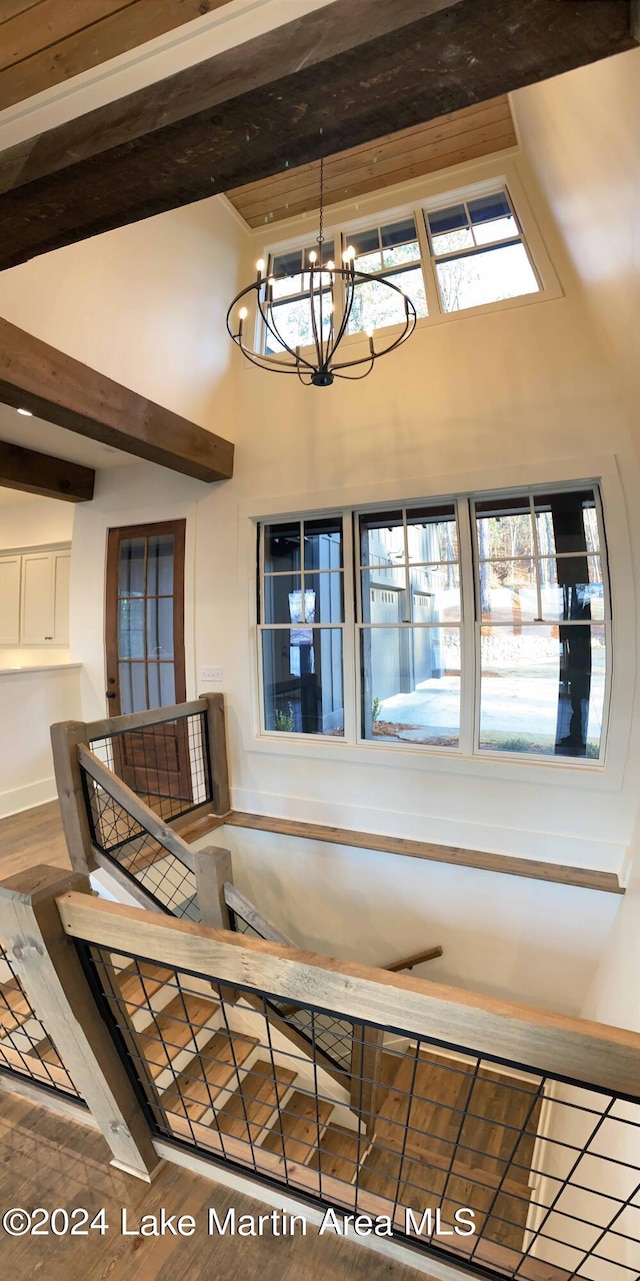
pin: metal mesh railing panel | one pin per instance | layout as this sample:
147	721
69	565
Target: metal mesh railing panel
524	1175
167	764
26	1049
140	855
334	1036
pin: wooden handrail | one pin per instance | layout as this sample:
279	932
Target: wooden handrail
146	817
140	720
429	954
249	913
538	1040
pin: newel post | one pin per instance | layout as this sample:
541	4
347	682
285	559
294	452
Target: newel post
212	869
66	737
49	969
217	730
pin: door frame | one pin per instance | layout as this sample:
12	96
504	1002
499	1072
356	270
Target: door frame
115	536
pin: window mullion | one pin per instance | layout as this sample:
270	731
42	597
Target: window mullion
469	667
434	306
350	683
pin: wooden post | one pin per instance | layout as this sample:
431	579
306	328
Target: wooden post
218	752
48	966
365	1073
65	738
213	868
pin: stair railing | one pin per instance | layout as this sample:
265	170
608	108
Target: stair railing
522	1123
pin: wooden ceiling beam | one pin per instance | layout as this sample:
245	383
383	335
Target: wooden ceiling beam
35	473
63	391
350	72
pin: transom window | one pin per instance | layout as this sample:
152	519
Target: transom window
390	252
474	625
470	253
289	313
479	254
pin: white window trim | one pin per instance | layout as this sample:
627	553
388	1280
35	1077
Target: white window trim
606	774
339	225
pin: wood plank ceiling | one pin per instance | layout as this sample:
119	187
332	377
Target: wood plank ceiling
45	42
448	140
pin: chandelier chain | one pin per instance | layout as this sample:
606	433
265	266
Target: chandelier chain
321	233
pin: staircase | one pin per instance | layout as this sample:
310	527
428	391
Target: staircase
221	1075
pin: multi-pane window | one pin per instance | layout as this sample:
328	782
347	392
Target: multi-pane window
289	313
473	625
410	616
302	623
542	621
470	253
478	253
390	252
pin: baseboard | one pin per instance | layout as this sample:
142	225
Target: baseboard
25	798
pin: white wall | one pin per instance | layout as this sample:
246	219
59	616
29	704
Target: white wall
518	395
581	132
31	701
31	521
502	935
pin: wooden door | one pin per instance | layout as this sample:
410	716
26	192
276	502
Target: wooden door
145	658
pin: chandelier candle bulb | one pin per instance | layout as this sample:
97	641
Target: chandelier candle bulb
260	267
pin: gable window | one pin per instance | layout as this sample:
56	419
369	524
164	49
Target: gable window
478	253
289	315
479	624
390	252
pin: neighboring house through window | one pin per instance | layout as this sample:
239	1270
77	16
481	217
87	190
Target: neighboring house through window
478	624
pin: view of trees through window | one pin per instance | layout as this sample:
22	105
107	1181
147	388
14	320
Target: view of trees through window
474	255
517	652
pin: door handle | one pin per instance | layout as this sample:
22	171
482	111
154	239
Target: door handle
111	693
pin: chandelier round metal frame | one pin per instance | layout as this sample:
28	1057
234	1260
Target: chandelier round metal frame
316	365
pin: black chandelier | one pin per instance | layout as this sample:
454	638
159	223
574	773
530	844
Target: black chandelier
331	293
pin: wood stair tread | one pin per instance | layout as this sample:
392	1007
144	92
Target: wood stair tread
15	1008
196	1088
174	1030
138	982
46	1052
247	1112
338	1153
296	1135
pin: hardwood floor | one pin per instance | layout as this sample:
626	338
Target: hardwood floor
49	1161
35	836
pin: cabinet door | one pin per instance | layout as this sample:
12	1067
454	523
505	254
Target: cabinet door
61	566
37	598
9	600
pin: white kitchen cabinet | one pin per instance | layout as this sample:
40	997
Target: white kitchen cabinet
10	600
44	614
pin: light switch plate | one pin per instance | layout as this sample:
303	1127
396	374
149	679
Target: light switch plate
211	675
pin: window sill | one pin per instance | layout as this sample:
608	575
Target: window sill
560	772
390	332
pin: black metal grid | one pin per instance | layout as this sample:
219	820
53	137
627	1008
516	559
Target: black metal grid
26	1049
333	1035
167	764
142	857
549	1167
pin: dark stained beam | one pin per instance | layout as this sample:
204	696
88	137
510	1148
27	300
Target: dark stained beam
349	73
41	474
61	390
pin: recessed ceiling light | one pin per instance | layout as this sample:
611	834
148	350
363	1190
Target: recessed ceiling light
27	413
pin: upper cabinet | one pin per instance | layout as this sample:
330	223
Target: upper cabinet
34	597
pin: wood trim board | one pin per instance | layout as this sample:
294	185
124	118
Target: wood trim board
510	865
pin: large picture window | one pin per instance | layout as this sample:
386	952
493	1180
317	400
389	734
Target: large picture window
474	625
